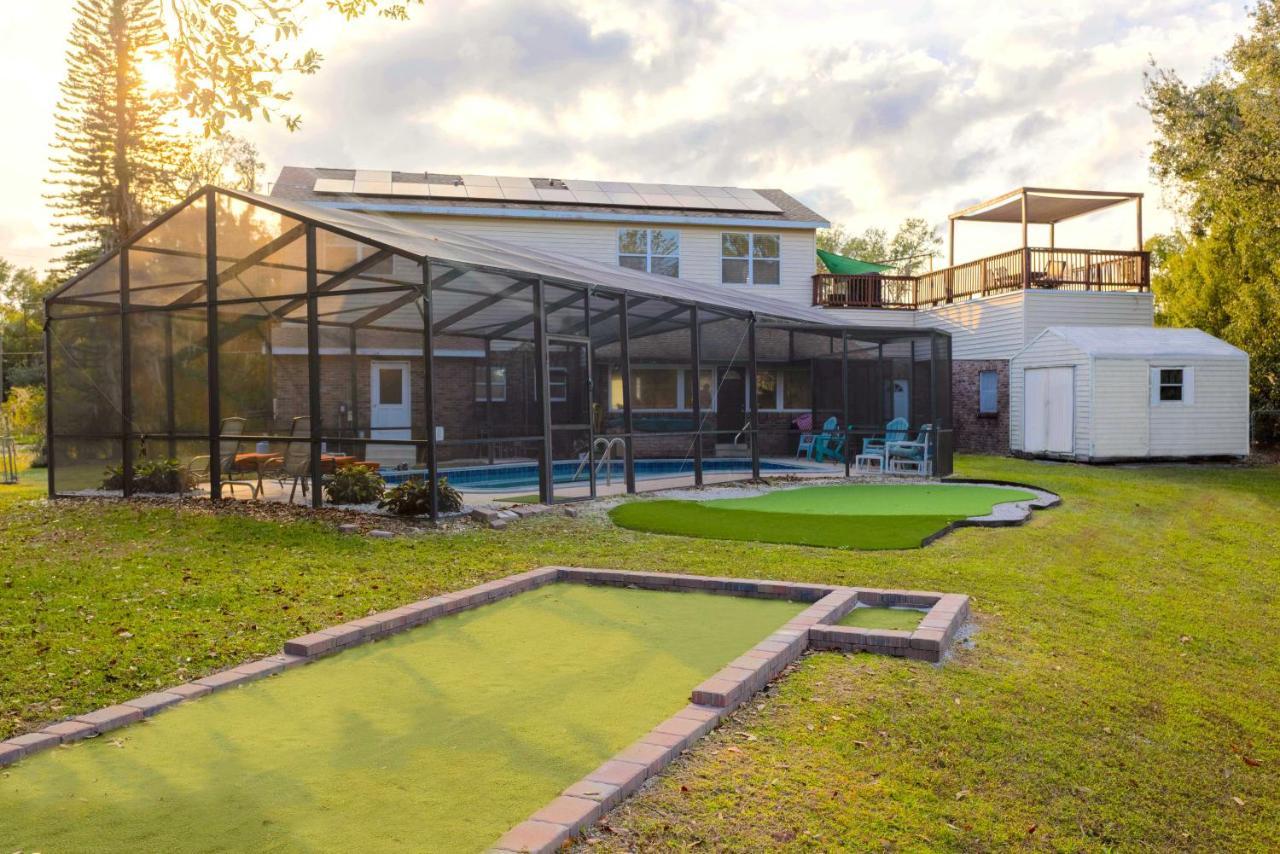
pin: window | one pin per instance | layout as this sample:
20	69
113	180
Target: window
650	250
750	259
390	386
496	382
782	389
988	393
558	379
1171	385
655	388
658	388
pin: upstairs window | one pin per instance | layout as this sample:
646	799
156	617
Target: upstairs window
650	250
988	393
750	259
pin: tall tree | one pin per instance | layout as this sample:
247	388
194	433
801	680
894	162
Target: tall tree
909	251
115	145
1217	153
233	57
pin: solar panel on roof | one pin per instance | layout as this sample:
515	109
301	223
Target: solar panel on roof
549	190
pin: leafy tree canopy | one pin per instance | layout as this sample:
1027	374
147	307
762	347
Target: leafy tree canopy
1217	154
909	250
233	58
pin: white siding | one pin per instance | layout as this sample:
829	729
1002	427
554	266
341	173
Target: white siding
1121	408
1084	308
987	328
895	318
1215	423
699	248
1049	352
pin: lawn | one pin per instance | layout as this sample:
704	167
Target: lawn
450	734
1120	691
846	516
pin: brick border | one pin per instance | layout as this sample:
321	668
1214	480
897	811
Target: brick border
584	802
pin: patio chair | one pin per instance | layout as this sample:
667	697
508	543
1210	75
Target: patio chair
295	462
911	457
829	444
894	431
804	423
198	469
1054	273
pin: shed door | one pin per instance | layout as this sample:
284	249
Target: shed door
1049	412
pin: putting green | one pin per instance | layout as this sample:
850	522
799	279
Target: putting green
902	619
850	516
439	739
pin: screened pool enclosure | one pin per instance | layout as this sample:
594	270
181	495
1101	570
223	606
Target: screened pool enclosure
252	339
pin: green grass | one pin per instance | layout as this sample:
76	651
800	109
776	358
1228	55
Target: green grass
902	619
1121	673
445	736
847	516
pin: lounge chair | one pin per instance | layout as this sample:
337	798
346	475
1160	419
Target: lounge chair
198	470
911	457
894	431
295	462
829	444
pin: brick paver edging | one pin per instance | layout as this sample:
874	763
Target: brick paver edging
582	803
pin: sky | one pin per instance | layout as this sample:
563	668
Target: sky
867	112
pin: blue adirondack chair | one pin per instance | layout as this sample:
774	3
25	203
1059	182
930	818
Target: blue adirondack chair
830	443
894	431
911	456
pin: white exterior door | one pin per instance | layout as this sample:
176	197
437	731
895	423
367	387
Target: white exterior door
1049	410
390	413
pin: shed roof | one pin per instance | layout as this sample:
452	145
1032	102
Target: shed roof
1145	342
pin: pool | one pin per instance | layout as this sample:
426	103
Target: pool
503	477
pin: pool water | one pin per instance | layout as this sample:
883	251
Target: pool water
508	476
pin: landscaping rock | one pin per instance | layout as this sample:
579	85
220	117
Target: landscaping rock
484	514
497	524
349	529
381	535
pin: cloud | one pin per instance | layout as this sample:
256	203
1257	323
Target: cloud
868	112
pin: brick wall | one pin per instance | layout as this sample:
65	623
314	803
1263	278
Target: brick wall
973	431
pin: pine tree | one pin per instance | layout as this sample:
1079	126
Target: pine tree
115	144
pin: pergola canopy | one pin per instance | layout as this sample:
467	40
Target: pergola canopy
1043	206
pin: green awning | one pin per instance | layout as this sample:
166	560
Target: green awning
842	266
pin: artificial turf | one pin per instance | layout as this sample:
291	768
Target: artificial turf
902	619
848	516
1116	695
439	739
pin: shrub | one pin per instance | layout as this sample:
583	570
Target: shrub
354	485
163	476
25	410
413	498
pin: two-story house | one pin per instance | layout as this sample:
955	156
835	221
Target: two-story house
762	241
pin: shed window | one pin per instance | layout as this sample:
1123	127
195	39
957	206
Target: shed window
1171	385
988	393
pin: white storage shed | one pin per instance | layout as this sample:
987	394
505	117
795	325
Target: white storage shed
1102	393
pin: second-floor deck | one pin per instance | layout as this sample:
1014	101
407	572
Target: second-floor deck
1016	270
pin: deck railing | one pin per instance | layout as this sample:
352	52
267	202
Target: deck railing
1019	269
